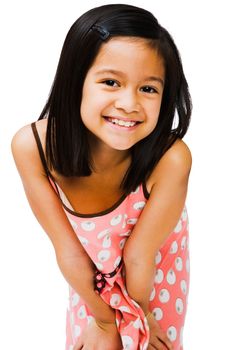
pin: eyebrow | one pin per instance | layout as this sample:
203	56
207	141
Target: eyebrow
117	72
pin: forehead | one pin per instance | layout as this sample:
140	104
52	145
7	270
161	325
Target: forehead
127	53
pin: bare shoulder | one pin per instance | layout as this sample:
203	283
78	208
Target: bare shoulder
23	139
176	162
25	134
24	147
178	156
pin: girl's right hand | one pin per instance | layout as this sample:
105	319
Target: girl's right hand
99	336
158	339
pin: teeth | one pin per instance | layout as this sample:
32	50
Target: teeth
122	122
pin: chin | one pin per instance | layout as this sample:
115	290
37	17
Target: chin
122	147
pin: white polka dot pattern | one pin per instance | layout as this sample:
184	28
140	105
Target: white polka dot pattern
157	312
152	296
171	277
159	276
104	255
164	296
88	226
172	333
104	238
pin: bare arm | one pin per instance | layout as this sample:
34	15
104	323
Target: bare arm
73	261
156	222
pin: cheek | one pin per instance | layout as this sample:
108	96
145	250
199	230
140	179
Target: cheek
88	104
158	105
88	99
94	103
153	112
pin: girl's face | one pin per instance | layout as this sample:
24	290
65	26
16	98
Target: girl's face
122	92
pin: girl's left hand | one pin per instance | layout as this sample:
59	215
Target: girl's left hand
99	336
158	338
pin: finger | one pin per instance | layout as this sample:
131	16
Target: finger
163	338
168	343
150	347
157	344
78	345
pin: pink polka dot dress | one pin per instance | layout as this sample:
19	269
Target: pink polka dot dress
103	236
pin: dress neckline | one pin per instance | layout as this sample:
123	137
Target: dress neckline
70	209
60	192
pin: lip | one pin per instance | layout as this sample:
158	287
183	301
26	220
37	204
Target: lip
122	118
120	127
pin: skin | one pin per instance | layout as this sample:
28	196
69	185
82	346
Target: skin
129	97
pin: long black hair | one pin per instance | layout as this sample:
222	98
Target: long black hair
67	146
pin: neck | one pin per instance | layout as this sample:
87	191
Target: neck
106	158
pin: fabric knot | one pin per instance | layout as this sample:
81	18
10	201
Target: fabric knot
100	278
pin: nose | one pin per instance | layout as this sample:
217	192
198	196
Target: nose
128	101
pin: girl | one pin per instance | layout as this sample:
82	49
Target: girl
105	171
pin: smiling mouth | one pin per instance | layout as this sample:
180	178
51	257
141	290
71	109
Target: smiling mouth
123	123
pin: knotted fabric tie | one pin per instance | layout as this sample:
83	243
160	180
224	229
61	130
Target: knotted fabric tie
99	278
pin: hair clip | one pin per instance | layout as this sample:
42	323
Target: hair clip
104	33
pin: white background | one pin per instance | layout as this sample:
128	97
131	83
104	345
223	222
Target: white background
33	293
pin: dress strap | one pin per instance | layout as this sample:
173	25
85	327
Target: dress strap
40	149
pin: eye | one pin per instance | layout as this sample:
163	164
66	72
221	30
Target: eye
149	89
110	82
